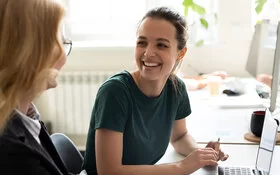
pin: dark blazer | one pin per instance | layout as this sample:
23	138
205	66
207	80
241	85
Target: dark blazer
21	154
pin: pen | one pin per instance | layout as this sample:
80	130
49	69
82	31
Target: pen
218	147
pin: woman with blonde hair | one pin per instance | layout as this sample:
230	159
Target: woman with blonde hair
32	51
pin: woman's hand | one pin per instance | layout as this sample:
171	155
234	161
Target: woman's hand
221	74
198	159
216	146
266	79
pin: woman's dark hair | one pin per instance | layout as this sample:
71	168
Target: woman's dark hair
179	22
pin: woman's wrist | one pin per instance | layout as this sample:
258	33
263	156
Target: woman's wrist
181	168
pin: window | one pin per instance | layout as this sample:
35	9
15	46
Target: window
270	13
114	23
199	33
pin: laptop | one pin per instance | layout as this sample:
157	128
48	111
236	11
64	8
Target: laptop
264	156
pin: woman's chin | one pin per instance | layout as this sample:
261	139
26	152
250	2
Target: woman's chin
51	84
51	80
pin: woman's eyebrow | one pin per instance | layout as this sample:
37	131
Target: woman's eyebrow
163	39
158	39
142	37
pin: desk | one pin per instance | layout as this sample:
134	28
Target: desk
208	121
239	155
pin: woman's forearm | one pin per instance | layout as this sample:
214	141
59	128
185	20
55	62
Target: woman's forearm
185	144
161	169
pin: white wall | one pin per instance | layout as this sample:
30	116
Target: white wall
234	30
230	53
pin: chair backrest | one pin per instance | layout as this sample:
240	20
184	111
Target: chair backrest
70	155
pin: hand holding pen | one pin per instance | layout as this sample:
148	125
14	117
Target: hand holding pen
216	146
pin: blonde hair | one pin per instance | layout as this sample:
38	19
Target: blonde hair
28	36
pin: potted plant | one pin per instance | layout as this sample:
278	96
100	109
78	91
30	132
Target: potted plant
191	5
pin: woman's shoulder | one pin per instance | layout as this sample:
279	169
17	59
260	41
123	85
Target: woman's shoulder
177	82
13	133
117	83
14	126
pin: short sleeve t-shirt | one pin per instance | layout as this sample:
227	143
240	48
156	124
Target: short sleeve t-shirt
145	122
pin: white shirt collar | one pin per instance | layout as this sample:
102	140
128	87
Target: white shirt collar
32	124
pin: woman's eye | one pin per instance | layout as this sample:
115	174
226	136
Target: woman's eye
162	45
141	43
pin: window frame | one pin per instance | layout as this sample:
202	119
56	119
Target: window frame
92	40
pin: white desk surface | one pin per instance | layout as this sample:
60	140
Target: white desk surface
209	122
239	155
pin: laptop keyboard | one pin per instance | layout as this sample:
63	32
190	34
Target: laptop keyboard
239	171
235	171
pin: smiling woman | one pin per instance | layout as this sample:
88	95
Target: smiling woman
160	48
137	113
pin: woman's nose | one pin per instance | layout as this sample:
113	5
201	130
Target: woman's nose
149	52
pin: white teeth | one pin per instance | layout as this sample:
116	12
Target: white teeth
149	64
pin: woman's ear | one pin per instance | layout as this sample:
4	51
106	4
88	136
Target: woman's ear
182	53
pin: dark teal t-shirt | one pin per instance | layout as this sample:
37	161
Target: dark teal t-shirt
145	122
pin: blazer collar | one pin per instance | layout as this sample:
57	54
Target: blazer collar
17	128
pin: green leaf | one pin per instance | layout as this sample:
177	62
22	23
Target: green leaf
259	8
204	23
199	43
259	5
186	11
260	1
187	4
199	9
259	22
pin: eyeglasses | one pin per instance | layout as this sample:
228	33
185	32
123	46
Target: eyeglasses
67	45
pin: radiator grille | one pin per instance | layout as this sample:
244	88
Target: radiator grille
70	103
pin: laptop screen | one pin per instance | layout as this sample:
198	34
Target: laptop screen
267	143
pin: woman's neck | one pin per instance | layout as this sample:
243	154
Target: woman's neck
151	88
23	106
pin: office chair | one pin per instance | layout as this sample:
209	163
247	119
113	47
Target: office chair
68	152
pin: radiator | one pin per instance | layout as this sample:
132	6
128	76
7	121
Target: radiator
70	103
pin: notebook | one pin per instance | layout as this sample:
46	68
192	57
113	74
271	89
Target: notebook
264	156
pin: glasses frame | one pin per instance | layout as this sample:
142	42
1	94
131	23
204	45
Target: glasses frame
68	42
